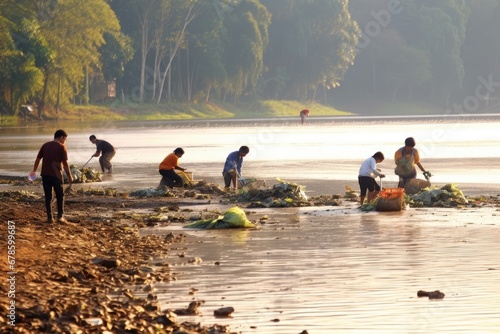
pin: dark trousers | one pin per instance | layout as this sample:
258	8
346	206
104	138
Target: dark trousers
49	183
403	180
105	161
227	179
170	178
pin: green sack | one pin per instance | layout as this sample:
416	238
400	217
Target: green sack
233	218
405	166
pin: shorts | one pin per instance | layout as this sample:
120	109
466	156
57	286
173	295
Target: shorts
367	182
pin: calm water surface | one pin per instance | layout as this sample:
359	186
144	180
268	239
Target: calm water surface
336	270
328	269
462	151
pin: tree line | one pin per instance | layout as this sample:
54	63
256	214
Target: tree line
55	52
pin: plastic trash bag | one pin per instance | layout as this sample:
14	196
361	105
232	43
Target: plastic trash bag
83	175
150	192
232	218
447	194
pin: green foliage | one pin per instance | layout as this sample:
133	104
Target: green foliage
24	51
313	43
441	26
75	31
189	52
246	36
191	111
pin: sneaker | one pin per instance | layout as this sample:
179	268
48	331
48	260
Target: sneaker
62	220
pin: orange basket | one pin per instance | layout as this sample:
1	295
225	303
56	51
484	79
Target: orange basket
391	193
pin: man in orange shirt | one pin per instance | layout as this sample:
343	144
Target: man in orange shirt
167	170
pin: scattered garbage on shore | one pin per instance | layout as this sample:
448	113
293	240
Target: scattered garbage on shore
448	195
235	217
84	175
431	294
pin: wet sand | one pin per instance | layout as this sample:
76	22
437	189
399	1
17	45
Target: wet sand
336	269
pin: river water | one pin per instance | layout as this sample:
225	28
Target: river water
462	151
320	269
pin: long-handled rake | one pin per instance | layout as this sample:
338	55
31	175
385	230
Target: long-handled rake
87	162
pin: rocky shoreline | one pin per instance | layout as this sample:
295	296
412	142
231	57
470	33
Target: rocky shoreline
84	276
74	277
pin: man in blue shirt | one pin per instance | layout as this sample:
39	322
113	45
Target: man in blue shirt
232	167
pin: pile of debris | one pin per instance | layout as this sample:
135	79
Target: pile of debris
282	194
199	190
18	195
446	196
84	175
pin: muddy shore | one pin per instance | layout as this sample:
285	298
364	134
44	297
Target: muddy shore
81	276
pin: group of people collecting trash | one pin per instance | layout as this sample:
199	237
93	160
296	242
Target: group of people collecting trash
54	157
405	158
231	171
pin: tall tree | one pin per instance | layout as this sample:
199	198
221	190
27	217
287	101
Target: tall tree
23	52
74	30
441	32
205	58
177	40
313	42
245	28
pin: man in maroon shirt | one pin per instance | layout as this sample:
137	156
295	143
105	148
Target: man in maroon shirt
55	158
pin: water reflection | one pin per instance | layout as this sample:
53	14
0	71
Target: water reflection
337	270
455	151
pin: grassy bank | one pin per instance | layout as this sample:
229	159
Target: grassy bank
191	111
196	111
183	111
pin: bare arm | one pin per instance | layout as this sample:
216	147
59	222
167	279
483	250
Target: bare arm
35	166
67	170
420	166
